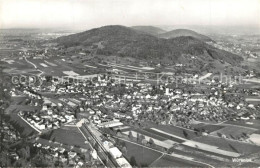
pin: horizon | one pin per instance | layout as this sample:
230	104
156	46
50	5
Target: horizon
202	29
85	15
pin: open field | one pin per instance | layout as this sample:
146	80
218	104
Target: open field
234	132
168	161
175	139
67	135
228	145
21	126
248	123
250	164
180	132
56	66
207	127
146	133
16	108
138	155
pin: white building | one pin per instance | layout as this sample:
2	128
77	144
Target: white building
123	162
110	124
115	152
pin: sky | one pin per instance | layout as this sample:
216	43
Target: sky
85	14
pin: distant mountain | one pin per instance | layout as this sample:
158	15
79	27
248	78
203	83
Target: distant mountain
149	30
127	42
184	32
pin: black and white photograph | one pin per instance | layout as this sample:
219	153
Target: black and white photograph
130	83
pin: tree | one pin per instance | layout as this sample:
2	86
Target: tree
151	142
138	138
124	150
185	134
133	161
130	135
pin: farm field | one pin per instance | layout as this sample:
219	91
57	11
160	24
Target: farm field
67	135
234	132
168	161
165	135
56	67
138	155
20	64
250	164
16	108
22	127
248	123
207	127
180	132
228	145
146	133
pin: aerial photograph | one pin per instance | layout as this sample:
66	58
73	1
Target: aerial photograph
130	83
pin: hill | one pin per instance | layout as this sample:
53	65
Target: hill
127	42
149	30
184	32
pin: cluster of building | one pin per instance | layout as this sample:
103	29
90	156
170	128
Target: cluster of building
9	133
234	48
69	157
48	117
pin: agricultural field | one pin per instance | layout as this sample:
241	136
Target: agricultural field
246	123
207	127
16	108
24	128
169	161
234	132
180	132
165	135
67	135
138	155
229	145
56	67
149	134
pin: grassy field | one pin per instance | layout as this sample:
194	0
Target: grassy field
21	126
234	132
208	127
228	145
152	135
187	134
67	135
139	156
164	135
169	161
56	66
17	108
24	128
253	123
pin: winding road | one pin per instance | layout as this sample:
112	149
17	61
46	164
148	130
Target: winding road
33	66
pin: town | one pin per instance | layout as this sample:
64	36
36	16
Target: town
129	83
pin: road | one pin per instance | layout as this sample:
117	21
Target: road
33	66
